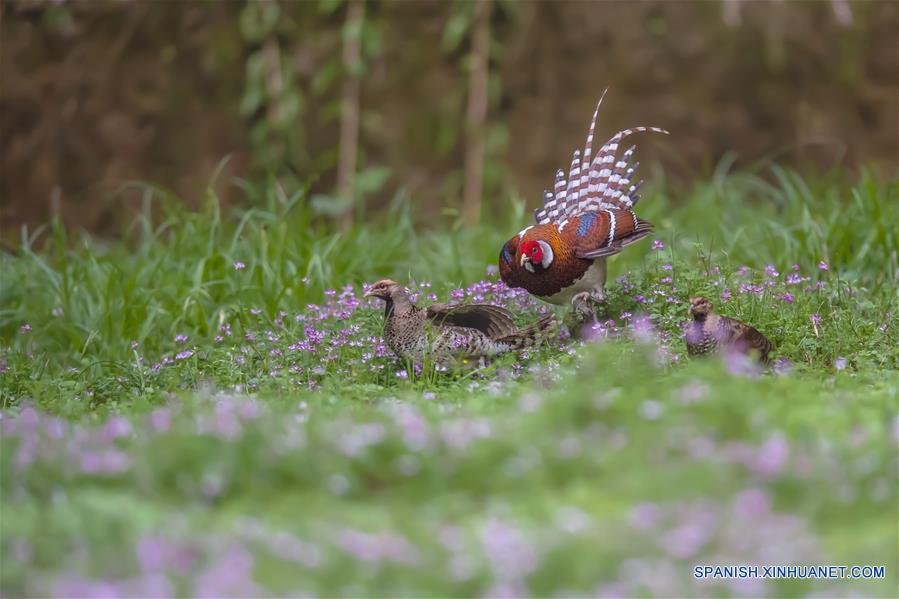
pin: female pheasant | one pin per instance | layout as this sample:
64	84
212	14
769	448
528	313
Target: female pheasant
562	259
709	332
443	331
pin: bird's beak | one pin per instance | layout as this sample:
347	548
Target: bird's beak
526	263
368	294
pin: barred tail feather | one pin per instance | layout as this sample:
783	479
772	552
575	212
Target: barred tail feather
574	177
588	149
540	214
594	182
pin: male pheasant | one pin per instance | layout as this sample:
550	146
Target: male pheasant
588	217
446	331
709	332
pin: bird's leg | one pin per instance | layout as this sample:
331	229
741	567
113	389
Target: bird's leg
598	297
582	303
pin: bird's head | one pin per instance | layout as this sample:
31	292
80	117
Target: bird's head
700	307
535	255
383	289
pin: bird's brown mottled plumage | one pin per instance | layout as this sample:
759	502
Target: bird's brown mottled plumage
445	331
710	332
586	218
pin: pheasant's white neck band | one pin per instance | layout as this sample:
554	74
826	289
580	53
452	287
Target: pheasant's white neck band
547	254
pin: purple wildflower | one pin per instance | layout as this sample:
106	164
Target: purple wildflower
181	338
230	575
644	516
643	329
752	504
818	285
651	409
783	366
822	265
184	355
787	297
25	328
743	271
686	540
771	272
771	457
726	295
161	420
510	554
108	461
116	427
377	547
239	265
738	364
658	245
816	320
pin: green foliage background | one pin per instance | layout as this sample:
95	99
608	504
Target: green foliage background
98	94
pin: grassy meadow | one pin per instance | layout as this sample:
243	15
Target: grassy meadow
205	406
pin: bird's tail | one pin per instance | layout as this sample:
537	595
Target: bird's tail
527	336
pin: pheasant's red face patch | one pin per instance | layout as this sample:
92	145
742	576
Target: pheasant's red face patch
533	251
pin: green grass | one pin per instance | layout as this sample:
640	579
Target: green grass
293	456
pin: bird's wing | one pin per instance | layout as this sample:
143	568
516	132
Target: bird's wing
746	336
604	232
600	183
493	321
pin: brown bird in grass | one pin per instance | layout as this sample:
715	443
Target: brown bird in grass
709	332
443	331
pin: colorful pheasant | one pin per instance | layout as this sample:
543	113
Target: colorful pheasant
562	259
445	331
709	332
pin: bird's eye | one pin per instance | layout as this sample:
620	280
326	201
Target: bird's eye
534	250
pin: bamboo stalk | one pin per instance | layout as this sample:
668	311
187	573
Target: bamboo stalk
349	110
274	83
476	116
